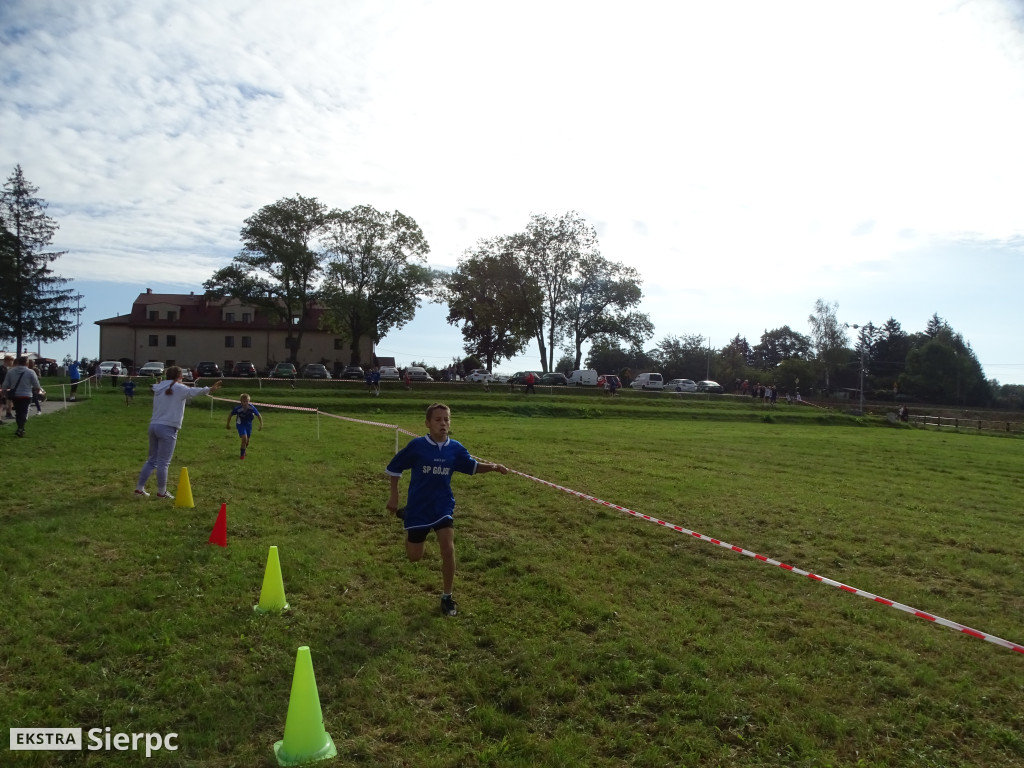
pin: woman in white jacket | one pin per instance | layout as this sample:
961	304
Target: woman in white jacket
169	398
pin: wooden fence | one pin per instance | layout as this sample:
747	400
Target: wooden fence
964	422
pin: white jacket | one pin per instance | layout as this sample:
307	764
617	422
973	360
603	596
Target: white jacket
170	409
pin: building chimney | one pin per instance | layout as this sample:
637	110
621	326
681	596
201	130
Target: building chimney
149	290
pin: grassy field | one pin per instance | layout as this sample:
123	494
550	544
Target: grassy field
586	636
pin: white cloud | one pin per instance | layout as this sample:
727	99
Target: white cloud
746	157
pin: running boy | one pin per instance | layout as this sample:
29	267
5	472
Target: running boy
129	391
431	460
246	412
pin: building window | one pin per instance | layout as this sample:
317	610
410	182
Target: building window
153	315
339	343
229	317
229	341
171	340
296	320
154	340
247	342
172	315
246	317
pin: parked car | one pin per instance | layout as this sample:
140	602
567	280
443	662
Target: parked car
499	378
152	368
389	373
315	371
416	373
554	379
244	368
608	381
283	371
108	365
648	381
186	376
479	374
709	386
520	377
208	369
681	385
353	372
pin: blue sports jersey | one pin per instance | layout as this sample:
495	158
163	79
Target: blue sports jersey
430	486
245	415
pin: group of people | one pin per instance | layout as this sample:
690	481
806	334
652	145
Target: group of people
431	461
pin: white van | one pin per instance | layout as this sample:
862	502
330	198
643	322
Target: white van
648	381
583	379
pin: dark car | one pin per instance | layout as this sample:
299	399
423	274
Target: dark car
315	371
520	377
244	368
353	372
208	369
709	386
554	380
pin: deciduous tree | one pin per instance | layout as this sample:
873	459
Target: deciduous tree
376	272
496	301
279	266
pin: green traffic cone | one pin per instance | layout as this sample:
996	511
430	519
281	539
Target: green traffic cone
272	595
305	739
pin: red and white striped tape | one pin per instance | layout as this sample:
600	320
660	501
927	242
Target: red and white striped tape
792	569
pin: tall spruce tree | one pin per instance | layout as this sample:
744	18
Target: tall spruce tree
35	305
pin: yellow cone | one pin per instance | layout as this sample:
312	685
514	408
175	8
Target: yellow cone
183	493
305	739
272	594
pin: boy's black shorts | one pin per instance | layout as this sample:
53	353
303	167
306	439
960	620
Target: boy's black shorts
419	535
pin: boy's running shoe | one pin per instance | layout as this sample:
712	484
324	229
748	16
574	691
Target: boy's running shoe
448	607
141	494
165	496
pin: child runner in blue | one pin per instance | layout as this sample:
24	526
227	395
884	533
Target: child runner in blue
246	412
431	460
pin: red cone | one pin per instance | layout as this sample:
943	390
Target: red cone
219	536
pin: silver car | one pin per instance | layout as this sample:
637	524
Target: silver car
681	385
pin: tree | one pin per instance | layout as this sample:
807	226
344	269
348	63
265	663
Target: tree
34	305
598	301
682	357
375	273
944	369
494	299
551	250
280	263
889	355
828	336
780	344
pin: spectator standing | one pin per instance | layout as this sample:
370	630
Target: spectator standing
169	398
75	375
114	373
21	385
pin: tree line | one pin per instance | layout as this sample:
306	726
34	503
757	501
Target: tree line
548	286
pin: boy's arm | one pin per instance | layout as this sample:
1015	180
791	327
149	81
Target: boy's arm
260	417
483	466
392	504
228	425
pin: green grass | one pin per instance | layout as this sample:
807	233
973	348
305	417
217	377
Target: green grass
587	637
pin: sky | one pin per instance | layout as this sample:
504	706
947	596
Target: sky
747	158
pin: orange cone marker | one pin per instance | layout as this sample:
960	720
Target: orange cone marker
219	535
